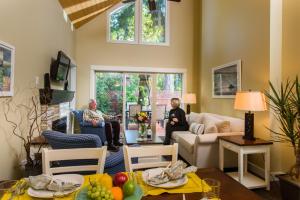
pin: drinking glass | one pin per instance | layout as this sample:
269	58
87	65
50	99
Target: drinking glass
214	192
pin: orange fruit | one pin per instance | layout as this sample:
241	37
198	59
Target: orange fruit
117	193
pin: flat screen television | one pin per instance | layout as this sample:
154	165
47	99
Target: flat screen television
60	67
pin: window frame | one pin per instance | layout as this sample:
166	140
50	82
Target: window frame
136	22
138	32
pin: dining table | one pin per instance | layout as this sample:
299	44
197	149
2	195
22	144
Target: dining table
230	189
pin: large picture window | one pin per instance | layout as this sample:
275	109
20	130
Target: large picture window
134	23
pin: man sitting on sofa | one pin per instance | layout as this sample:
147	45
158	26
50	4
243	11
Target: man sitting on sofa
112	127
177	120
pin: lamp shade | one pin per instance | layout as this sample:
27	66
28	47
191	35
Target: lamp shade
189	98
250	101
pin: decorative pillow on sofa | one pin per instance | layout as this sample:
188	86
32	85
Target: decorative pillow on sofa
210	127
194	117
223	126
196	128
216	125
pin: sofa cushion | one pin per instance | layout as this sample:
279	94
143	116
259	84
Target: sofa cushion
187	141
236	124
195	117
223	126
176	134
210	127
196	128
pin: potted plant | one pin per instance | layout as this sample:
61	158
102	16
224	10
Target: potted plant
24	119
285	103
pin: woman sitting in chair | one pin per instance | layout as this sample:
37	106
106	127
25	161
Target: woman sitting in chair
177	120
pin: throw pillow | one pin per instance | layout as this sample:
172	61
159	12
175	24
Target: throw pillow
210	127
196	128
194	117
223	126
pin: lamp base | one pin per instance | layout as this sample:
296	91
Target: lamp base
188	109
249	126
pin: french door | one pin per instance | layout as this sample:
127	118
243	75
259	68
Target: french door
119	93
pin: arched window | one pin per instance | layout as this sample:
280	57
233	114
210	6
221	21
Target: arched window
135	23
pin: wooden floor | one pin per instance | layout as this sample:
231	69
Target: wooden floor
273	194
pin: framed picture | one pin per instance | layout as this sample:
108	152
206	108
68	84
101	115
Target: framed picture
226	80
7	64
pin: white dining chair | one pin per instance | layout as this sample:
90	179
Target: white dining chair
152	152
73	154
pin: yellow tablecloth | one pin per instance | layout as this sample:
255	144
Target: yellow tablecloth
70	197
194	184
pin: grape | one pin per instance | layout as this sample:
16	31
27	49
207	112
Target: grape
98	192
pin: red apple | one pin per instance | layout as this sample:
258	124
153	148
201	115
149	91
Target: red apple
119	179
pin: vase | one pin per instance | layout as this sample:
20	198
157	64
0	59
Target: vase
142	130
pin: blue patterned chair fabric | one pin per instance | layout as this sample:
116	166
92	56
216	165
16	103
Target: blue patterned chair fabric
114	162
88	128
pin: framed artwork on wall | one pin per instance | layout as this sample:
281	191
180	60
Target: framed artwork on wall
7	64
226	80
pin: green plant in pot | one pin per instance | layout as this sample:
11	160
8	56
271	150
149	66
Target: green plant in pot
285	103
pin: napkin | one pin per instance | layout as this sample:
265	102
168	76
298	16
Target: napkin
194	184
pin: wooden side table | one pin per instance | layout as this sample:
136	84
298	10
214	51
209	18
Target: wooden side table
244	147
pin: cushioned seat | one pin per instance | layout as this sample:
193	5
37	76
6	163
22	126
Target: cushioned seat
187	141
176	134
88	127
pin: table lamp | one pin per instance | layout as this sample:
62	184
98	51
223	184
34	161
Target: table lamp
250	101
189	98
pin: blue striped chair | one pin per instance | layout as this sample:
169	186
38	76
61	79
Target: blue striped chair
114	161
88	128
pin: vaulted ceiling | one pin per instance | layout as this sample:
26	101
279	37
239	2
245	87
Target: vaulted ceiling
83	11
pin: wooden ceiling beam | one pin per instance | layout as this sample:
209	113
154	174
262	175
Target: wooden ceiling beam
69	3
93	9
84	5
91	15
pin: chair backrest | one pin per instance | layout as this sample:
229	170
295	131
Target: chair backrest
134	109
58	140
73	154
131	153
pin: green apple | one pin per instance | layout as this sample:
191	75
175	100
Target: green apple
128	188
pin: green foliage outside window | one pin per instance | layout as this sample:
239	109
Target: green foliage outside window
109	93
154	23
122	23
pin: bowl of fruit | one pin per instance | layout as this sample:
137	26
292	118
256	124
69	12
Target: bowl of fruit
121	187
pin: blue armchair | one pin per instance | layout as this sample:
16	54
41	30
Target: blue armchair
114	161
88	128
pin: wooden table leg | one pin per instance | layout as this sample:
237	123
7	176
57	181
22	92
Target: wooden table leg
221	155
267	168
241	166
245	163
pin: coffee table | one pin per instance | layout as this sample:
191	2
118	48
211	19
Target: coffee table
131	137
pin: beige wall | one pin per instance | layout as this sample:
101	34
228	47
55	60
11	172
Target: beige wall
290	59
93	49
37	30
233	30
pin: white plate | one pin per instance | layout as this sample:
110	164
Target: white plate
74	178
172	184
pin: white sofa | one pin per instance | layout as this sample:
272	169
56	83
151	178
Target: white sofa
202	150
